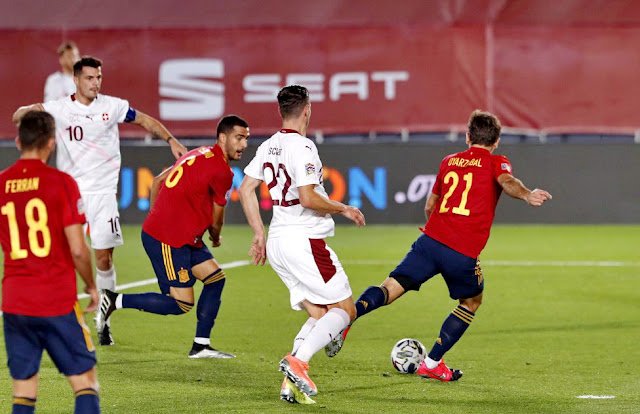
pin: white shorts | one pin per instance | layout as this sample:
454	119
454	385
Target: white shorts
309	268
103	218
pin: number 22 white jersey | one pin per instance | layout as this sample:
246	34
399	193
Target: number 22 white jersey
285	162
88	141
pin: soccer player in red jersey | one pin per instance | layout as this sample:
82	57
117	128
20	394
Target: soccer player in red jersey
43	243
459	212
187	200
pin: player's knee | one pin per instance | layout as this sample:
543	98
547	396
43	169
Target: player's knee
215	280
472	303
183	307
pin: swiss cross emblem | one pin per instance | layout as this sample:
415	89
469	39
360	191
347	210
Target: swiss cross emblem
105	117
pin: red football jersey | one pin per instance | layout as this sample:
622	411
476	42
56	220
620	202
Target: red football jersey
36	203
184	204
467	184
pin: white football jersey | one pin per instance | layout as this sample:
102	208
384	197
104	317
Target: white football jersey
58	85
88	141
285	162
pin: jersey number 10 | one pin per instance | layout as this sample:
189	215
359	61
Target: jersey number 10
36	226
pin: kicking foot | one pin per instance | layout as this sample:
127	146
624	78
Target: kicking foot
441	372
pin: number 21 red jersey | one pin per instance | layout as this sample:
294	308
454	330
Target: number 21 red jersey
467	184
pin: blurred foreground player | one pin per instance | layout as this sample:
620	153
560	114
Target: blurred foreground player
460	211
43	244
187	200
289	164
88	149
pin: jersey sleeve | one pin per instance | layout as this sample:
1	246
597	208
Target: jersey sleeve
306	165
122	109
72	205
437	186
52	107
501	165
254	169
220	183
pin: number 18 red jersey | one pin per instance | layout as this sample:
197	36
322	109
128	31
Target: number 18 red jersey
36	203
467	184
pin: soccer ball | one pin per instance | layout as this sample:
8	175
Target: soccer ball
407	355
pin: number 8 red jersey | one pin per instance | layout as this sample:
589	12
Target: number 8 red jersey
467	184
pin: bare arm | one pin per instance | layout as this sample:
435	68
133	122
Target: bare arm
155	128
217	220
17	115
516	189
310	199
82	261
155	186
431	204
251	210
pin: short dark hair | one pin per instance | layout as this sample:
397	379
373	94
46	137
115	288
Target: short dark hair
291	100
36	127
89	61
484	128
226	124
66	46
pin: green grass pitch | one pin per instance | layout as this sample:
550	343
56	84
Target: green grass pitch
560	319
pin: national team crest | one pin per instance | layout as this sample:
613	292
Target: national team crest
183	274
311	169
105	117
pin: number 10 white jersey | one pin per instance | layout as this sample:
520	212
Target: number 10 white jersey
285	162
88	141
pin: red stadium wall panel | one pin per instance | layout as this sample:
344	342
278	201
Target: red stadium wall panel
385	79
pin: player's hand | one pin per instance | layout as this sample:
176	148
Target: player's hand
537	197
177	148
215	241
94	299
258	250
354	214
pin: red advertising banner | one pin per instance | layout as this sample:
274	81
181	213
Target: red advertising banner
361	79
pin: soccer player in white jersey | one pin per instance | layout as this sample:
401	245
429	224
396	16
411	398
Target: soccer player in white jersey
88	149
60	84
289	164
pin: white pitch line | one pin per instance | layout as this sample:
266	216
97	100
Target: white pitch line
230	265
596	397
549	263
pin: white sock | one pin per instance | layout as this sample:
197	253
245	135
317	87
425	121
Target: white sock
304	331
430	363
106	279
202	341
327	327
118	302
